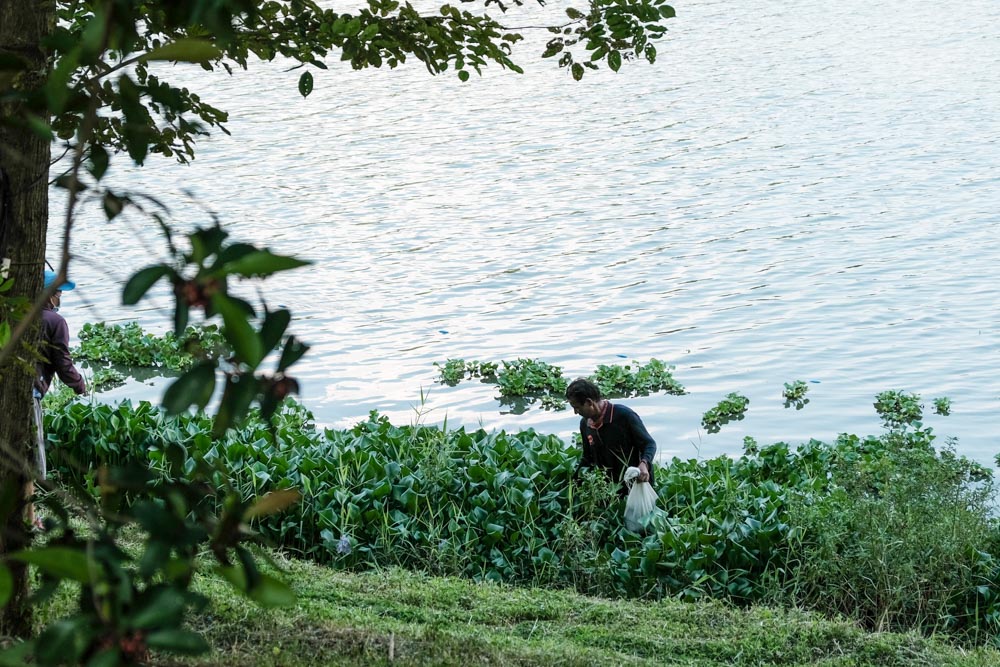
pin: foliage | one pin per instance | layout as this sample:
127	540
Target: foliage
942	406
525	381
732	407
810	525
616	381
454	371
897	408
794	393
905	537
107	378
144	113
103	94
182	504
128	606
129	345
56	400
525	377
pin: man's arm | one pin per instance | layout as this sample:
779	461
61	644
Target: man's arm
587	459
641	439
58	354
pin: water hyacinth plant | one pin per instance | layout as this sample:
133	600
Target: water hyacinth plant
899	409
732	408
130	345
763	527
526	381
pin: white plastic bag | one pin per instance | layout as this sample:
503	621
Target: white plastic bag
641	502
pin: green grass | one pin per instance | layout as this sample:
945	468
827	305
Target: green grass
404	618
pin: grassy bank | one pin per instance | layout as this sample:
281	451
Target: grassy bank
400	617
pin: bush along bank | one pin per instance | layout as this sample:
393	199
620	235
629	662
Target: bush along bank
889	530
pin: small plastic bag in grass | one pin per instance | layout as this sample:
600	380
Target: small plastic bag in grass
640	504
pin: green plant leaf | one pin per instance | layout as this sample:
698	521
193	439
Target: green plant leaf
305	84
195	387
275	324
110	657
239	333
186	50
615	60
262	263
176	640
17	655
139	284
61	562
165	607
236	399
63	642
294	349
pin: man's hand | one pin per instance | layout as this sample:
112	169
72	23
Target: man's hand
643	472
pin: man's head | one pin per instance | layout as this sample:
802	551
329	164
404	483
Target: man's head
584	397
56	298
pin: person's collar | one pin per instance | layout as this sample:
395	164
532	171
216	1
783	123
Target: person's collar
607	413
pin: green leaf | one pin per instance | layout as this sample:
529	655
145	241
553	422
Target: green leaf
238	332
615	60
98	161
269	592
186	50
236	399
113	205
574	14
17	655
139	284
293	351
306	84
6	584
165	607
4	337
195	387
667	12
176	640
63	642
577	70
275	324
61	562
231	253
58	88
110	657
180	317
40	127
463	75
262	263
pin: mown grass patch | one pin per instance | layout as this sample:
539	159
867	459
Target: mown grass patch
363	619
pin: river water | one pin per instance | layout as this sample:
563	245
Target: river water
801	191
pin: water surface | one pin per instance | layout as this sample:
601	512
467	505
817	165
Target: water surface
799	191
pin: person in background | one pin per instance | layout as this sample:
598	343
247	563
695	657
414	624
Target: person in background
614	438
55	362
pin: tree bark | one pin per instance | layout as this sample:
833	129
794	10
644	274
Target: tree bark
24	158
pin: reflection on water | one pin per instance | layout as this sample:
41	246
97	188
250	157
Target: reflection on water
781	197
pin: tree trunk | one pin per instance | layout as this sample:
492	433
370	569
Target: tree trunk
24	157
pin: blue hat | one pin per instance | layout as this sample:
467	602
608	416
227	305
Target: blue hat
50	277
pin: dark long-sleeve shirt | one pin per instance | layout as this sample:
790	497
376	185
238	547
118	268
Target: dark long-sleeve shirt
620	441
55	353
